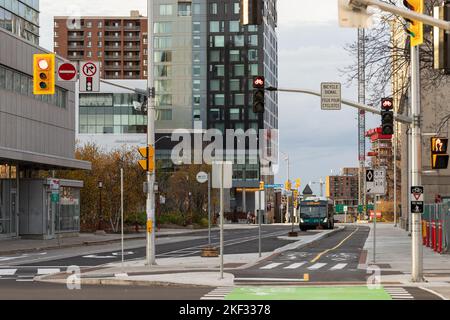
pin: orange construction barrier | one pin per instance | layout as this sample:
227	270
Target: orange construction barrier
439	249
428	234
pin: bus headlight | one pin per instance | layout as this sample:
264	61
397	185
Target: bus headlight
325	220
301	220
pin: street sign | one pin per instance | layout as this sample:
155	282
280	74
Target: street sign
331	96
54	197
417	199
219	167
273	186
376	181
67	71
89	76
202	177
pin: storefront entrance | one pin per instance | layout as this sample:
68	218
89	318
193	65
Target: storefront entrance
8	202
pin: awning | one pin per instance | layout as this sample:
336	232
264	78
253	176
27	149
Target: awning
41	161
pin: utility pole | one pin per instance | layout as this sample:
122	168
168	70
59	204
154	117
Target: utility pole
150	203
361	117
416	164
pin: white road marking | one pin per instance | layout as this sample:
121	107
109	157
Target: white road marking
271	266
43	271
7	272
317	266
295	265
339	266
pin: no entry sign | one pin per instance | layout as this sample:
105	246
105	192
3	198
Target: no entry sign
67	72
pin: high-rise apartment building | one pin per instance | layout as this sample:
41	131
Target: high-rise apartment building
118	43
343	188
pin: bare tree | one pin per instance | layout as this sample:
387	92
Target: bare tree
386	55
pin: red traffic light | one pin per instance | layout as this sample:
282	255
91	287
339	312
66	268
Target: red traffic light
258	82
387	103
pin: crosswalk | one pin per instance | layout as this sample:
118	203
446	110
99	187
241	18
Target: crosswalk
218	293
307	265
26	274
398	293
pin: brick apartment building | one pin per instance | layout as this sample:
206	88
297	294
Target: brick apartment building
343	188
118	43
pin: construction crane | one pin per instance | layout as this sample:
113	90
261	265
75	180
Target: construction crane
321	183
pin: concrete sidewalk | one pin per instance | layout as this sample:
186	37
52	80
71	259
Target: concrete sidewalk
393	255
192	271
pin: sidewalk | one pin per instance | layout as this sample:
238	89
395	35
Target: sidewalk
393	255
192	271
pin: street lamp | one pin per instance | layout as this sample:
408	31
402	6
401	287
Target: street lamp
99	226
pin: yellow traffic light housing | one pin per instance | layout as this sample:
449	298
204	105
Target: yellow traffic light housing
148	163
415	27
44	74
288	185
261	185
439	156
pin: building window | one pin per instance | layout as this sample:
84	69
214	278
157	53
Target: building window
219	41
100	24
235	26
196	85
164	114
213	8
235	56
214	26
219	99
100	34
196	27
253	40
239	41
253	55
235	85
163	100
89	24
235	114
214	85
163	56
184	9
214	56
196	99
236	8
239	70
162	42
165	9
196	71
163	71
196	42
220	70
239	99
162	27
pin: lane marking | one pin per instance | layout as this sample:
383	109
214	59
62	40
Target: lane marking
295	265
317	266
43	271
334	248
7	272
271	266
434	292
339	266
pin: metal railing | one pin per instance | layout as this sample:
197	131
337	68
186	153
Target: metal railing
436	227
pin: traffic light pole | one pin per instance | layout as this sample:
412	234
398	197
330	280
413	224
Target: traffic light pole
416	164
150	203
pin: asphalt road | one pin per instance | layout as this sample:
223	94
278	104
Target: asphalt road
332	259
237	241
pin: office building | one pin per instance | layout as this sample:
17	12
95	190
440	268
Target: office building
36	133
21	18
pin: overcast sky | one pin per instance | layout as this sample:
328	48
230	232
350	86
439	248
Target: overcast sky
310	52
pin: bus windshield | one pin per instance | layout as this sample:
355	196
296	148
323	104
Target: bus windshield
313	211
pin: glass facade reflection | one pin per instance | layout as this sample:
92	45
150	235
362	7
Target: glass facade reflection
21	18
111	113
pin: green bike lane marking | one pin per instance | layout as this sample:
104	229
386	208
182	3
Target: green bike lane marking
308	293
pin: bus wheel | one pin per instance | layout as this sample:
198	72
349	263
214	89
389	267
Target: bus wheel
303	229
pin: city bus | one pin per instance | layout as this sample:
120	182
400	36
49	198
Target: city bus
316	212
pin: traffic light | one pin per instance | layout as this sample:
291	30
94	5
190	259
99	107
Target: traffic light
258	94
44	74
387	116
261	185
148	163
439	156
415	27
251	12
353	15
442	39
288	185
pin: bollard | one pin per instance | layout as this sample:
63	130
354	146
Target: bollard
433	234
428	234
440	237
424	233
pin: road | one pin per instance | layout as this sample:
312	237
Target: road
325	269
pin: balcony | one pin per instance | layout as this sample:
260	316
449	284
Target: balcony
113	38
113	48
134	76
112	67
77	57
131	58
132	48
113	58
113	28
75	38
133	38
132	68
131	28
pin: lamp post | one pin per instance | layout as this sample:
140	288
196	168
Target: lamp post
100	216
